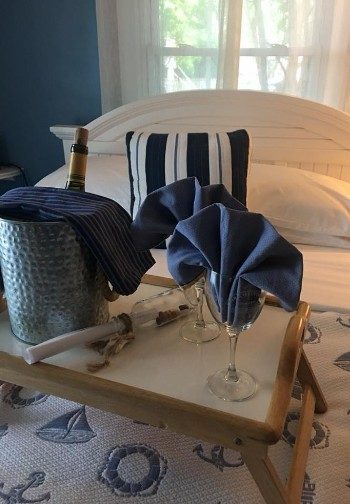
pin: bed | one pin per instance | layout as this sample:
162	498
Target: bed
299	178
297	146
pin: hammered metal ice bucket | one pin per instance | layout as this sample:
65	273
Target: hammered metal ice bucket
53	283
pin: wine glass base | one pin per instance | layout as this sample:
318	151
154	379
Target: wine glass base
190	332
230	390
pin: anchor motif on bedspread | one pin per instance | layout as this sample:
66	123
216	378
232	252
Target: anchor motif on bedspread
20	397
15	495
217	457
341	322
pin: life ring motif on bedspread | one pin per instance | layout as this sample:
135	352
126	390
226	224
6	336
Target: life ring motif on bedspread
134	470
297	391
319	438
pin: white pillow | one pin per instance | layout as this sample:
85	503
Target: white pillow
106	175
305	207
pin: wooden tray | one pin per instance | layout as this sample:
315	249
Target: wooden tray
144	381
160	379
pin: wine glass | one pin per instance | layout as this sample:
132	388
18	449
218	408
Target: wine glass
236	313
198	331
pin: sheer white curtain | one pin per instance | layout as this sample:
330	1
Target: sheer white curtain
336	76
138	44
299	47
229	44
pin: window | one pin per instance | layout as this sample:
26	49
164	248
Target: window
268	59
189	44
299	47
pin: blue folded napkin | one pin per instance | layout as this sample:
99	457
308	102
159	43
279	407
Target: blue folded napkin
164	208
103	225
243	249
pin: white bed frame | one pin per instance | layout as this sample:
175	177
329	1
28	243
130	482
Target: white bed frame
284	129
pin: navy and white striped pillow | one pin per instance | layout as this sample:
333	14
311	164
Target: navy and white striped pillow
157	159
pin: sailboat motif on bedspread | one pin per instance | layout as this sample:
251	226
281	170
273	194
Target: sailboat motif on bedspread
343	361
72	427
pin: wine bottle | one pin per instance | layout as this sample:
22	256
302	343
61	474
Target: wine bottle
78	158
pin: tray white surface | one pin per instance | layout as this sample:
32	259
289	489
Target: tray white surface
160	361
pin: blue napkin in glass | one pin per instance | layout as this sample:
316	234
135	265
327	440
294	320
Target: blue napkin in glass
164	208
103	225
245	251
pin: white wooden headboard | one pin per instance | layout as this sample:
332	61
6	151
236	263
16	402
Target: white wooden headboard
284	129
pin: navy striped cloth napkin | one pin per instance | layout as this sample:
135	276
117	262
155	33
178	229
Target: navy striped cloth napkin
243	249
103	225
210	231
165	207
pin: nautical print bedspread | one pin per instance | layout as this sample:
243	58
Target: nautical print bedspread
56	451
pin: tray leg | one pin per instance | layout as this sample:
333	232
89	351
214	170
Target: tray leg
260	466
266	477
306	377
301	446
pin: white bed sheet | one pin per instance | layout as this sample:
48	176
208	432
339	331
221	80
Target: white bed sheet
326	284
326	281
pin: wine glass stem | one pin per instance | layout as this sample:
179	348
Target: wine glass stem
199	286
231	373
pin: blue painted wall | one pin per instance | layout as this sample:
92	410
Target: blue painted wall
49	74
